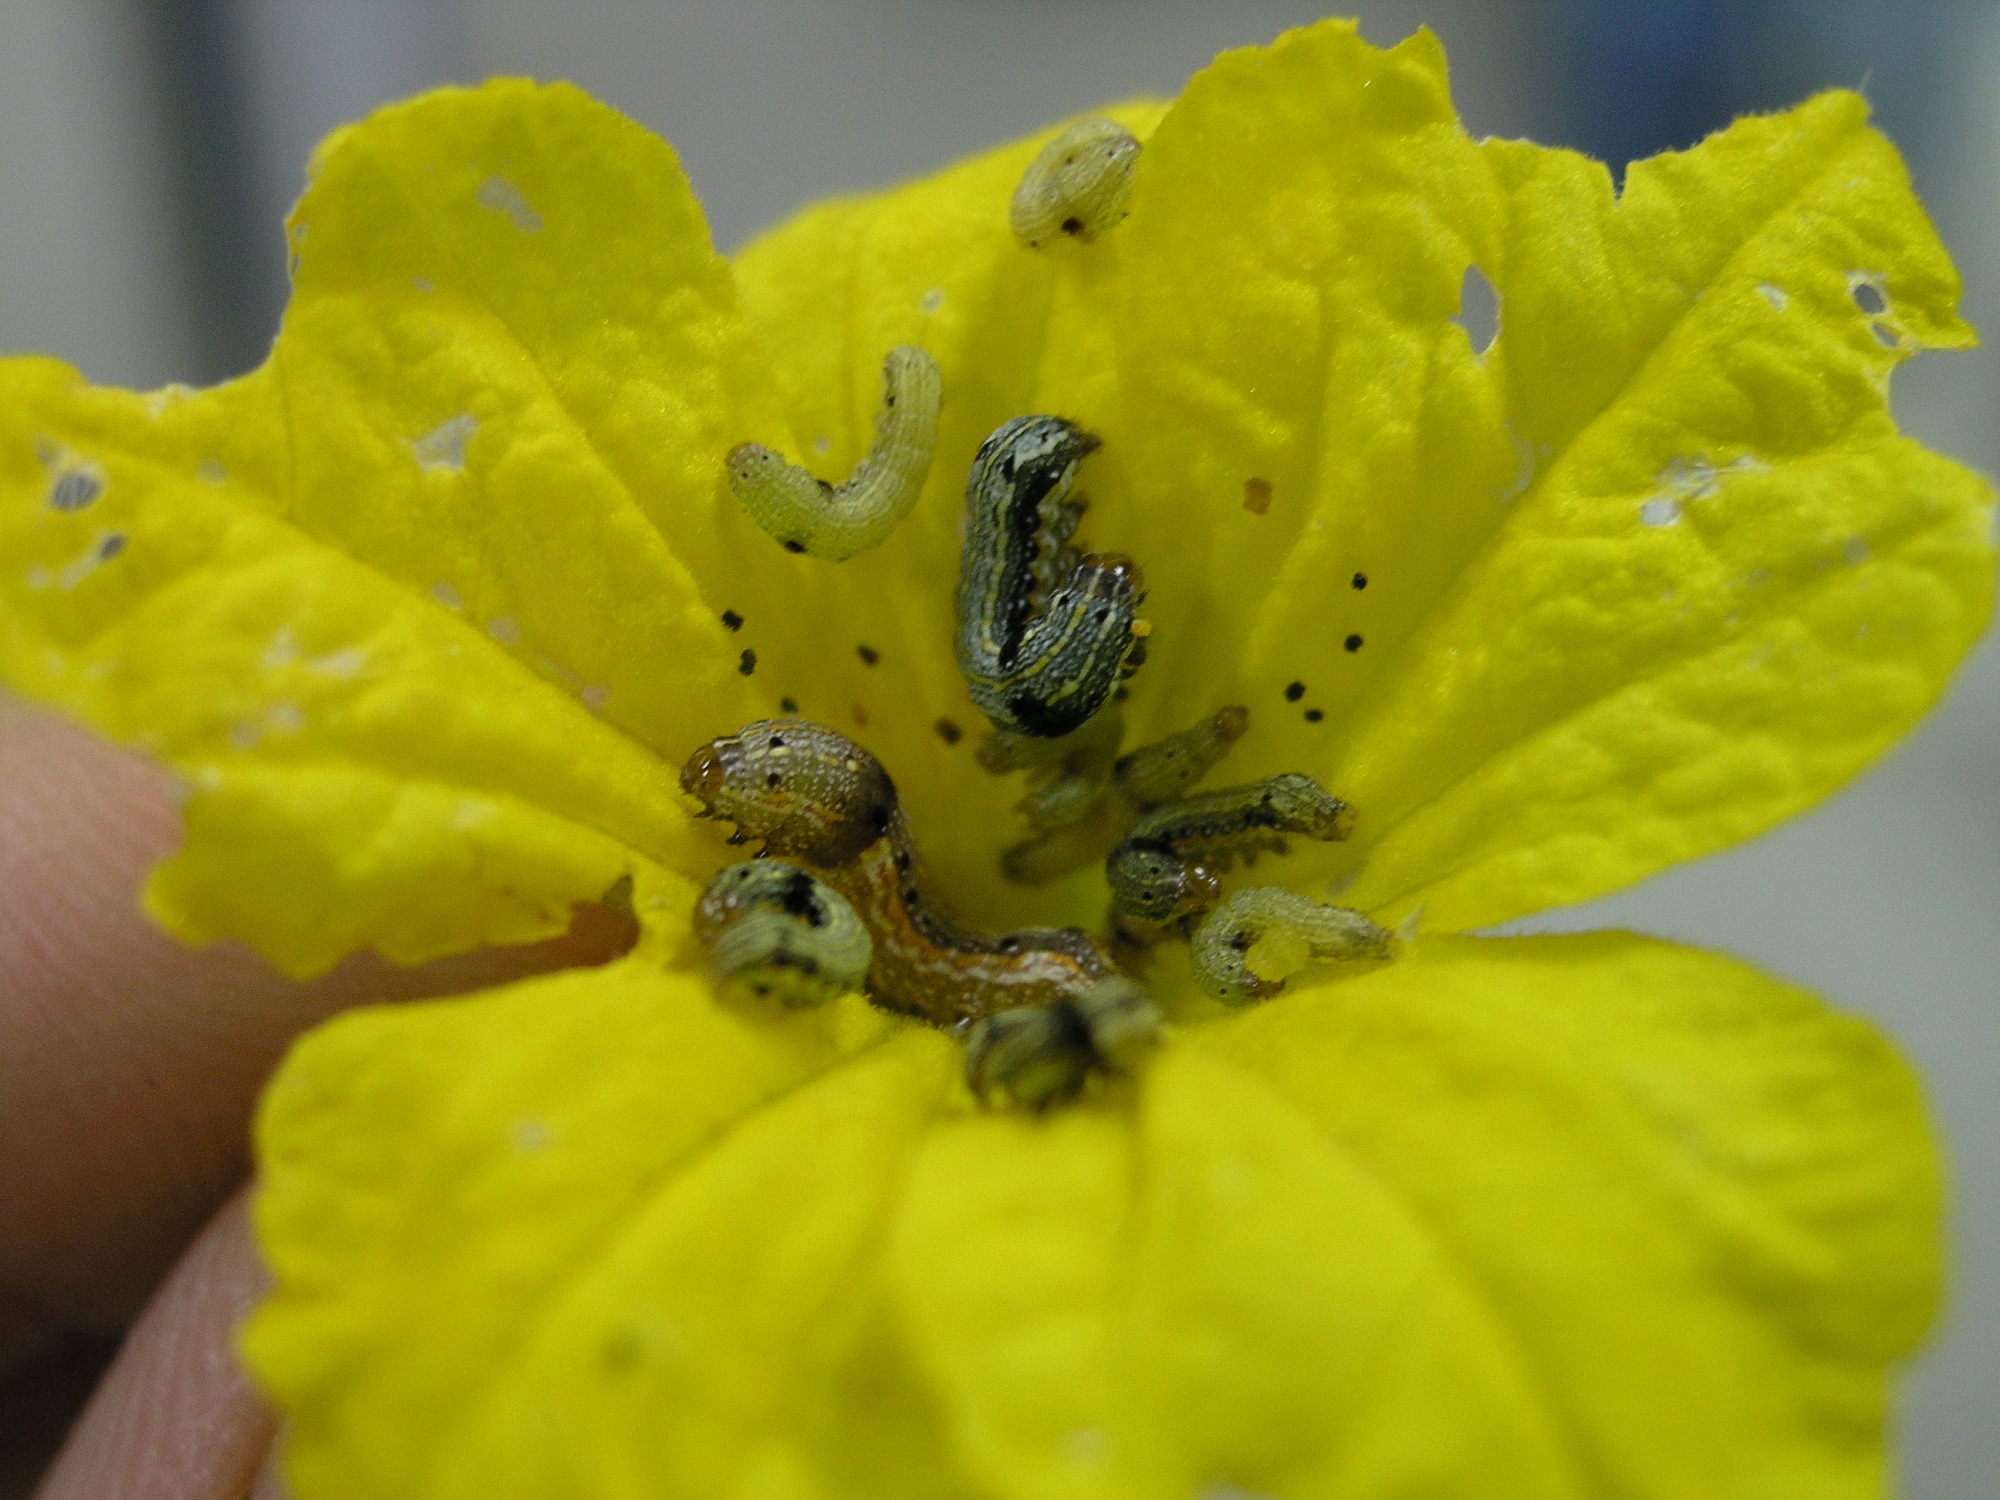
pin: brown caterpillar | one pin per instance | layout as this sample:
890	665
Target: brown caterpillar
819	800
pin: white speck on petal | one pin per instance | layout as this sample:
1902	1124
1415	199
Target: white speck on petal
101	551
423	283
282	651
1087	1445
503	629
285	718
1855	551
933	299
470	813
820	445
167	395
593	696
342	663
446	595
211	472
1686	480
442	449
500	195
1775	295
532	1135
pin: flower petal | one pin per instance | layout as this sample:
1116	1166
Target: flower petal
408	605
1438	1228
571	1237
1642	1158
1651	573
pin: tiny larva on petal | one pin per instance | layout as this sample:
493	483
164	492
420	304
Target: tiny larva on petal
1164	770
1220	952
774	928
804	513
1076	187
1163	870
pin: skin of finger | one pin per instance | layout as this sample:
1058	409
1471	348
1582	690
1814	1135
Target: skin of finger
270	1484
129	1065
175	1418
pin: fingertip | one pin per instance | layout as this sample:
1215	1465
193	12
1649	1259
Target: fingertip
175	1418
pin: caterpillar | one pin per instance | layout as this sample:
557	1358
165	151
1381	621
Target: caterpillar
1044	634
778	931
1162	871
1220	951
1076	186
815	797
1038	1056
806	514
1163	771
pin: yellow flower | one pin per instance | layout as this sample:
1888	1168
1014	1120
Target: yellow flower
427	611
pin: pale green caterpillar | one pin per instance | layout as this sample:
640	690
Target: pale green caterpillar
1040	1055
806	514
776	930
1163	870
1076	187
1044	634
1221	948
1163	771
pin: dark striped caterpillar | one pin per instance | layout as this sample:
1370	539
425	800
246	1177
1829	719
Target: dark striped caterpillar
1044	633
1163	870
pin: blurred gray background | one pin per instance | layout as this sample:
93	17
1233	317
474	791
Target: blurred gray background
149	149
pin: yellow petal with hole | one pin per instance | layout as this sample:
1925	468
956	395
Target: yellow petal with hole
421	611
1647	574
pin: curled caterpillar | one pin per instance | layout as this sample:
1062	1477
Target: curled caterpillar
1044	634
1221	948
1076	187
1163	771
775	929
806	514
817	798
1037	1056
1163	870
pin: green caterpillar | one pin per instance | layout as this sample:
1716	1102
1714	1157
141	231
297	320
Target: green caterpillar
1076	187
806	514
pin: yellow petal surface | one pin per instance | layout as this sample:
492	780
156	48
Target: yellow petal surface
1648	574
422	609
1590	1216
